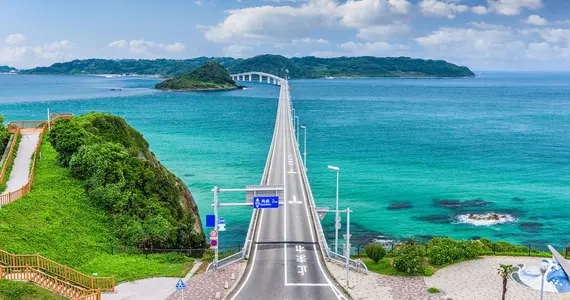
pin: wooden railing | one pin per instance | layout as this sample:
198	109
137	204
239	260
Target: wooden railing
63	272
21	192
9	156
49	282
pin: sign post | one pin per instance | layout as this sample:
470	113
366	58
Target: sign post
180	286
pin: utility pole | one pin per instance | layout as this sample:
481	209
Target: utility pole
216	204
347	242
337	217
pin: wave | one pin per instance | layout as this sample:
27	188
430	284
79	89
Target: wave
485	219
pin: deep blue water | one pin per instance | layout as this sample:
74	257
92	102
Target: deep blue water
501	140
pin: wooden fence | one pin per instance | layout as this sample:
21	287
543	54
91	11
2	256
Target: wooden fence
21	192
63	272
49	282
9	156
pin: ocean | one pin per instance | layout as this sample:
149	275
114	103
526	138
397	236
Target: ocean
465	158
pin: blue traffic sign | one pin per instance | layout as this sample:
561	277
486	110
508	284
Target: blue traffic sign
221	221
210	220
266	202
180	285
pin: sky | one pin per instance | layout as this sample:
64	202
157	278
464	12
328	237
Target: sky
509	35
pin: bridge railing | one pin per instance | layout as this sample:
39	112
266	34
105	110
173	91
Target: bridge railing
325	250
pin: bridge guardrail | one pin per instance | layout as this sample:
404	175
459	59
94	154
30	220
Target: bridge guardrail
357	265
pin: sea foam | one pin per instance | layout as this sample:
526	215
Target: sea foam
485	219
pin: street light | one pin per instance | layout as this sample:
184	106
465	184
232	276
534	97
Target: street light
297	130
337	217
305	148
543	266
294	115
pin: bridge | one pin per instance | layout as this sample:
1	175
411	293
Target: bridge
250	75
286	247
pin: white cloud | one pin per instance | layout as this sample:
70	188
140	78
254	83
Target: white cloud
238	51
480	10
513	7
31	56
15	38
147	48
383	32
536	20
271	24
553	35
442	8
198	3
310	41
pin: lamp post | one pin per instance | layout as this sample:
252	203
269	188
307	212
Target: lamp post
337	217
297	129
347	242
294	116
543	266
305	148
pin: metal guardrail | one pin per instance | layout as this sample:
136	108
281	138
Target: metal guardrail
226	261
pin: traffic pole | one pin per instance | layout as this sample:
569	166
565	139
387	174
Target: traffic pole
347	243
216	191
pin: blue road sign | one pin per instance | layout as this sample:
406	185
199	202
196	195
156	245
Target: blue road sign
210	220
221	221
180	285
266	202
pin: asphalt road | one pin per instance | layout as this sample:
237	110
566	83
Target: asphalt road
285	259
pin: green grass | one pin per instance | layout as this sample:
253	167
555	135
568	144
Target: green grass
433	290
15	290
10	163
56	220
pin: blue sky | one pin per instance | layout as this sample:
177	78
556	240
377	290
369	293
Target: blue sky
531	35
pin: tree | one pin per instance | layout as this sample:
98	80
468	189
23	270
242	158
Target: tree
504	271
375	252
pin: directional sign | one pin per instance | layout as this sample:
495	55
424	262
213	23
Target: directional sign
213	244
338	226
213	234
266	202
180	285
347	236
210	220
221	224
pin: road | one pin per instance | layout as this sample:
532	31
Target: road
285	258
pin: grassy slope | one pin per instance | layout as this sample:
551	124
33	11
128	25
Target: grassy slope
14	290
56	221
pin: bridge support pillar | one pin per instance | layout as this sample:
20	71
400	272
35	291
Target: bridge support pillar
243	78
279	82
268	79
260	78
274	81
249	77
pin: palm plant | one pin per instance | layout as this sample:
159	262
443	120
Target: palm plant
504	271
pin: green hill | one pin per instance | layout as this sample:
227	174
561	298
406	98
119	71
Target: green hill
6	69
211	76
299	67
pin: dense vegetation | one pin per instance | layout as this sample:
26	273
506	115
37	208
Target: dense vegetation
57	221
4	135
299	67
6	69
412	258
210	76
149	206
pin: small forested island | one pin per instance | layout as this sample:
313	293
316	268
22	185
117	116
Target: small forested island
211	76
299	67
7	69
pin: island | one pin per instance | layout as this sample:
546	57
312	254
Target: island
211	76
7	69
299	67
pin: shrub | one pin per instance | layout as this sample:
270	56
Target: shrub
408	258
444	251
433	290
429	271
375	252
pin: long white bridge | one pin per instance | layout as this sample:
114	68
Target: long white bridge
248	76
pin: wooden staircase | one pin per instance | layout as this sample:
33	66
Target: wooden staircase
53	276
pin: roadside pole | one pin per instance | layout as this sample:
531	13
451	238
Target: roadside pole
347	243
216	191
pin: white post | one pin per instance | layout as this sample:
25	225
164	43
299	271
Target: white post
337	215
49	125
268	79
293	110
260	78
305	149
347	243
249	77
216	191
542	287
182	294
297	129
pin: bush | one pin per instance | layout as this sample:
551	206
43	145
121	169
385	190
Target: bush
408	258
433	290
444	251
375	252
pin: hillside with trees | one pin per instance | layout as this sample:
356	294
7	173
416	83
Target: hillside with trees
299	67
211	76
7	69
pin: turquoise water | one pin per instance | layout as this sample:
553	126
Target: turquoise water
498	143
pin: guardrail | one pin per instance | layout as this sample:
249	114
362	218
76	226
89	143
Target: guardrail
64	272
356	265
48	282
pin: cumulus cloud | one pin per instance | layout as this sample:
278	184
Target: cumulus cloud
147	48
271	24
310	41
15	38
536	20
31	56
442	8
513	7
479	9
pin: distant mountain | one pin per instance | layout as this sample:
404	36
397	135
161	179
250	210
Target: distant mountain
299	67
211	76
6	69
